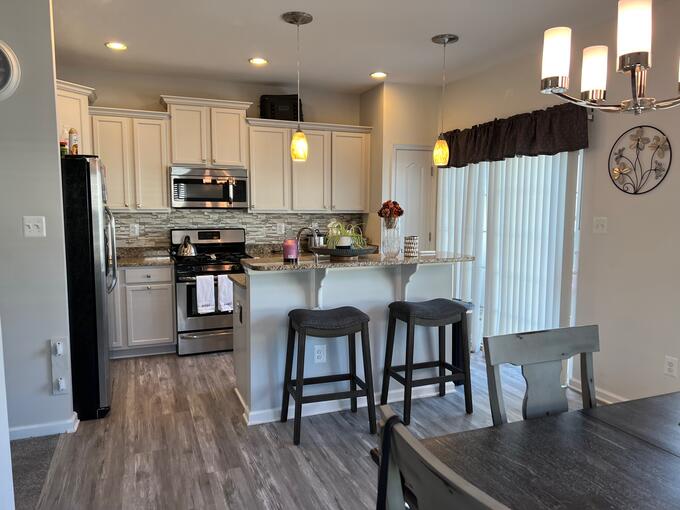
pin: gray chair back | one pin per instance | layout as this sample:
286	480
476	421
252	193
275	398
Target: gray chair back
428	484
540	354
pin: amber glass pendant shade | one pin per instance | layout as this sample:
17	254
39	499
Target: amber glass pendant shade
299	147
440	153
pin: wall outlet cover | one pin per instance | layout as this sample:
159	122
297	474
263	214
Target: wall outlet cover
280	228
59	358
320	353
600	225
34	226
134	229
670	366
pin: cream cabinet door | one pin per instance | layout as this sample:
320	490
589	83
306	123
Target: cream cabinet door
270	166
150	314
151	163
312	179
350	172
228	137
112	143
72	112
189	128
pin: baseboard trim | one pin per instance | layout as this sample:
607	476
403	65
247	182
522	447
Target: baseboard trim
604	396
271	415
135	352
45	429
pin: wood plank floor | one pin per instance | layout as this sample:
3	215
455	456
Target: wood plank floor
175	439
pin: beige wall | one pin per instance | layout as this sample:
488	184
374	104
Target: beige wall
142	91
629	280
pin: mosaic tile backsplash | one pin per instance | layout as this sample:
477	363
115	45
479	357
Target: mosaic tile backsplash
154	228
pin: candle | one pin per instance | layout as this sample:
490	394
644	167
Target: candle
290	250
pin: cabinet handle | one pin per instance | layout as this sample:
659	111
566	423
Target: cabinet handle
148	287
148	276
139	205
126	204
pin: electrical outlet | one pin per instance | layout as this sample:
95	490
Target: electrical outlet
134	229
280	228
34	226
315	225
670	366
600	225
59	358
320	353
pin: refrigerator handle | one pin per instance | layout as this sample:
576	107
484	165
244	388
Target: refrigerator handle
114	255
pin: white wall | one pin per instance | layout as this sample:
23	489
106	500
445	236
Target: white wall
629	278
33	301
142	91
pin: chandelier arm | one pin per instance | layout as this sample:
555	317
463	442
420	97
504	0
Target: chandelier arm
668	103
588	104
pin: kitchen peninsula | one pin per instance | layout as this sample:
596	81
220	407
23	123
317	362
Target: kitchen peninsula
271	288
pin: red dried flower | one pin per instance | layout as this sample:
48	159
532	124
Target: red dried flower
390	209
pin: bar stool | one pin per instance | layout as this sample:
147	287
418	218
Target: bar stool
336	322
434	313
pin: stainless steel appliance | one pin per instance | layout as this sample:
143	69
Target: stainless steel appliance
218	251
208	188
92	274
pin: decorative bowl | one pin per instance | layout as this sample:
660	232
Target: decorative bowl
344	254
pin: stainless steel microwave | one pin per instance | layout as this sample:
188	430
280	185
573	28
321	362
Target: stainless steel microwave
208	188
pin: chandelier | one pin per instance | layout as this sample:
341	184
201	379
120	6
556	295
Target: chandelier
634	57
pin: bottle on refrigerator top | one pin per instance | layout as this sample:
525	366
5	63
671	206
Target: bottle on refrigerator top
73	141
63	141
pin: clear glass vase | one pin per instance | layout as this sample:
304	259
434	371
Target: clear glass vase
390	244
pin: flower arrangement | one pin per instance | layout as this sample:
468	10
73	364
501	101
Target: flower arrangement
337	230
390	211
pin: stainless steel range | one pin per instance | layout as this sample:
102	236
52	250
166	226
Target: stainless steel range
217	251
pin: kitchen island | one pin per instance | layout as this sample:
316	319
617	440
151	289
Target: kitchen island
272	288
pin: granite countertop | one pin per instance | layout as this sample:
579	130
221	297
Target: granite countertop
307	262
239	279
138	257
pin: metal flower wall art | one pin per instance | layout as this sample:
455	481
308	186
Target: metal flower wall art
640	160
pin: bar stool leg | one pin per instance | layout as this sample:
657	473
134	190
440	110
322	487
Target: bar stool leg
457	354
298	385
465	342
389	348
368	376
288	373
353	369
442	359
409	371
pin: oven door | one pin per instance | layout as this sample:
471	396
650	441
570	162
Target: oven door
188	318
209	189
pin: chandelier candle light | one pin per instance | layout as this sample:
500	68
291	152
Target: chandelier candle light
634	57
299	149
440	153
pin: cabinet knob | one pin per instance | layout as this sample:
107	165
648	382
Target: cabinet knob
148	287
126	204
148	276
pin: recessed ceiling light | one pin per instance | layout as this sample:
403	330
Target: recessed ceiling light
116	46
258	61
378	75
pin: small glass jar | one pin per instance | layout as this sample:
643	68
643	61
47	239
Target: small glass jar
290	250
390	244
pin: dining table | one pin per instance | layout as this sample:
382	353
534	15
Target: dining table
618	456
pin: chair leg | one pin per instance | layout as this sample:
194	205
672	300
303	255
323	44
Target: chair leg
442	359
353	369
409	371
389	348
368	376
288	373
457	355
465	343
298	386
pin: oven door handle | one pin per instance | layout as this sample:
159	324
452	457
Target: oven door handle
197	336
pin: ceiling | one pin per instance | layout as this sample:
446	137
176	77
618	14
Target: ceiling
347	40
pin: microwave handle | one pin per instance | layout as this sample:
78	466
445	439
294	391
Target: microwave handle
230	199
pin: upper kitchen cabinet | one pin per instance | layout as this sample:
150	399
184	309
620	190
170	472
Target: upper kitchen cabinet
208	132
133	147
270	166
350	175
312	178
72	111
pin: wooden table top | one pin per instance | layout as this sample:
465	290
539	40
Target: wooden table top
574	460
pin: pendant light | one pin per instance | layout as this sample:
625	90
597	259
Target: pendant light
299	148
440	153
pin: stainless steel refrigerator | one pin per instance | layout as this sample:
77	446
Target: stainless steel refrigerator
91	268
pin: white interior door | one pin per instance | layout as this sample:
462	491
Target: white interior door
413	188
6	485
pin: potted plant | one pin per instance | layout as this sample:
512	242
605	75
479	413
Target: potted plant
341	235
390	212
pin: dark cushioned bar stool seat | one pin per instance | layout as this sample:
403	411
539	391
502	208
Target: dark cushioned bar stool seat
433	313
343	321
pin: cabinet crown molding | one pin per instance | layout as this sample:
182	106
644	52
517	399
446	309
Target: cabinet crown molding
312	126
197	101
126	112
77	89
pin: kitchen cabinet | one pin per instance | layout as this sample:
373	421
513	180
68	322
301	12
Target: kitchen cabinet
312	178
117	331
270	167
72	112
149	314
350	175
208	132
133	147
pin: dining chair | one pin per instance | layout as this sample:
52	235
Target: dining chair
540	354
410	474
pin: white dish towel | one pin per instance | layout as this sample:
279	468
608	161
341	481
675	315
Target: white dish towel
205	293
225	293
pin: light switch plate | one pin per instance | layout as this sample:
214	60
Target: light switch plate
59	356
280	228
600	225
34	226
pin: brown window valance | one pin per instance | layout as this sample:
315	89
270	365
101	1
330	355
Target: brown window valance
561	128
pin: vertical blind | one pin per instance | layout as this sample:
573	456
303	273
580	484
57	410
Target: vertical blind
510	215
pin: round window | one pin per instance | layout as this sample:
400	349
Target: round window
10	71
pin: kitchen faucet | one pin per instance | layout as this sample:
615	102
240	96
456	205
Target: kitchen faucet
299	234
